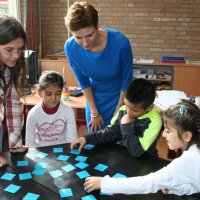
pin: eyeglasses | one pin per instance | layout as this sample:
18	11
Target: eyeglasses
10	52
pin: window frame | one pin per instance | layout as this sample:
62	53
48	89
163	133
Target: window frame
12	7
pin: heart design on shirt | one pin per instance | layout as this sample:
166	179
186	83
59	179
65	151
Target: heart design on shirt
51	131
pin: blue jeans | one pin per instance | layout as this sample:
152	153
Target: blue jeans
1	137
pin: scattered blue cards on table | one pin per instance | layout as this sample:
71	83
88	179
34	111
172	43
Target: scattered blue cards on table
68	168
75	151
12	188
66	192
83	174
42	155
101	167
63	157
89	146
41	168
88	197
58	150
8	176
31	196
56	173
22	163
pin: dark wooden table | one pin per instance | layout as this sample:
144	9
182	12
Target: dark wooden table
110	154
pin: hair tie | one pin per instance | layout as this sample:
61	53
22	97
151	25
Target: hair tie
182	110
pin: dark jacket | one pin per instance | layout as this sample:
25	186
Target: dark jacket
138	137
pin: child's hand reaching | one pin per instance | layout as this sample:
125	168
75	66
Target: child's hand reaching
78	143
92	183
3	161
165	191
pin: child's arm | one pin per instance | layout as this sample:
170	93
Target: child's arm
132	131
109	134
133	145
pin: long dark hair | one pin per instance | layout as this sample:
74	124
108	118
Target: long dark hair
11	29
186	117
50	77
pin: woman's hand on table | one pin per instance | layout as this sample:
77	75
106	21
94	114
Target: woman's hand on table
96	123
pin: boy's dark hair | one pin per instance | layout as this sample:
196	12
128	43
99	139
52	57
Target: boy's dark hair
141	91
50	77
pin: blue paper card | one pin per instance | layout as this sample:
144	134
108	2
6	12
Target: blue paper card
12	188
83	174
22	163
67	192
105	194
8	176
75	151
81	158
41	165
39	171
81	165
58	150
68	168
101	167
89	146
25	176
118	175
89	197
63	157
31	196
41	155
56	173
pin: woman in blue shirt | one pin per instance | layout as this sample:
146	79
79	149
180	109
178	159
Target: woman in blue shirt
101	59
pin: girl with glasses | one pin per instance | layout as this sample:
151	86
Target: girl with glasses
13	41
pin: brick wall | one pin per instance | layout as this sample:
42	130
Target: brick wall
155	27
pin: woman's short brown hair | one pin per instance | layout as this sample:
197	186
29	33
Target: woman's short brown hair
81	15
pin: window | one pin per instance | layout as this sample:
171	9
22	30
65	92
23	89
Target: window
10	7
3	6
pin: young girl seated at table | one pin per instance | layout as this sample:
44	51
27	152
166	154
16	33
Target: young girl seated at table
50	122
181	176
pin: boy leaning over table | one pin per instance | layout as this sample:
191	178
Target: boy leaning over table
136	126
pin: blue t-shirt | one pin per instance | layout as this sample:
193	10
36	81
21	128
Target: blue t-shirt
107	72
